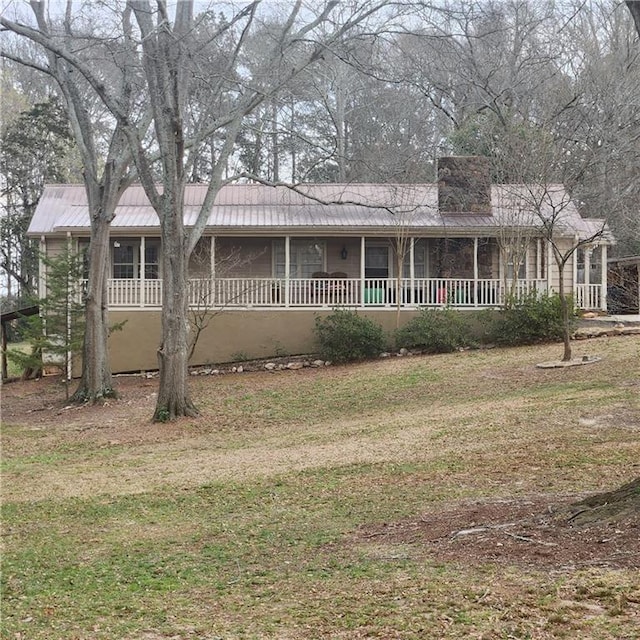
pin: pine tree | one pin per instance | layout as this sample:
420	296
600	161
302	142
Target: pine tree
56	333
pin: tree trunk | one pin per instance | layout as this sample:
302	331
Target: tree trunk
607	506
341	128
566	317
96	381
634	8
173	353
566	333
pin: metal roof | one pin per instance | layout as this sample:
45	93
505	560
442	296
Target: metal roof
340	208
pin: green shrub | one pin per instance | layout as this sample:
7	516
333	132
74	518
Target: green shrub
530	319
435	331
345	336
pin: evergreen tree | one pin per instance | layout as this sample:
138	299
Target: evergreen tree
56	334
35	148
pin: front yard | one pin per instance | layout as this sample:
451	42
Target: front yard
417	497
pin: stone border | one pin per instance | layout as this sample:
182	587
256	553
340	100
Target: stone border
584	333
575	362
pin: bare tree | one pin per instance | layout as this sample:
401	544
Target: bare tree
547	210
207	301
170	68
634	8
105	168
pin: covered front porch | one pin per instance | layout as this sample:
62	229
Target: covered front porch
351	272
217	293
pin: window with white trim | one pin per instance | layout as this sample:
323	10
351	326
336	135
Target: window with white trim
151	259
419	259
307	255
517	253
125	258
376	261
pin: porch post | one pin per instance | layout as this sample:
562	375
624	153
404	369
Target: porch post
587	274
538	259
603	277
142	267
587	265
69	363
212	271
362	267
212	257
475	271
42	273
287	267
550	262
412	271
574	271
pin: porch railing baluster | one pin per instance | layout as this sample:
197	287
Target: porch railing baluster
338	292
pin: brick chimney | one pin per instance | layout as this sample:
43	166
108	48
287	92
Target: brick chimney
464	185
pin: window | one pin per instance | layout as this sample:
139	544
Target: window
594	274
488	260
454	257
151	260
125	258
306	257
83	251
376	261
595	266
580	259
516	254
511	271
419	259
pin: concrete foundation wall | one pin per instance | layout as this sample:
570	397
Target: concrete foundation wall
230	336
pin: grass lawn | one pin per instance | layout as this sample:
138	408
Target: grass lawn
407	498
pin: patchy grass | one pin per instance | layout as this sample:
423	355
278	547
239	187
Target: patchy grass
269	516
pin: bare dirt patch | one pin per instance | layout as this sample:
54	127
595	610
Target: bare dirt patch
536	532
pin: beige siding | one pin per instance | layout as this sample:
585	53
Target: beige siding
55	247
254	334
564	245
531	260
350	266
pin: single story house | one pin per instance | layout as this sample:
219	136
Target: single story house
272	258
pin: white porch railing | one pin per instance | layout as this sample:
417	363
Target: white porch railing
328	292
589	296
